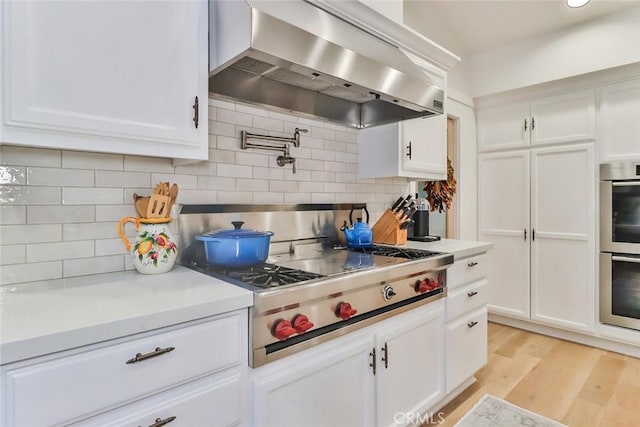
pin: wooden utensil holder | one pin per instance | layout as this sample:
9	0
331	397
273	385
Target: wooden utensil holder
387	230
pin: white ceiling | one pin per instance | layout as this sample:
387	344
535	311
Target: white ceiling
472	26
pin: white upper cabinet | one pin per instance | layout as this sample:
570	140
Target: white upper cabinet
106	76
563	118
619	121
504	127
414	148
553	119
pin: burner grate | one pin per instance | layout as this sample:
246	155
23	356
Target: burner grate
394	252
265	275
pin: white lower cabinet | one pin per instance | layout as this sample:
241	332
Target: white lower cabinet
466	331
72	386
335	384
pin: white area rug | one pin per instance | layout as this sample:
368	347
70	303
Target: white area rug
491	411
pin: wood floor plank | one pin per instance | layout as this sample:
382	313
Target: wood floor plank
623	409
603	380
553	384
631	374
583	413
499	336
515	343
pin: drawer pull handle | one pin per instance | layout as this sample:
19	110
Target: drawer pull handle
157	352
472	293
472	264
472	324
160	422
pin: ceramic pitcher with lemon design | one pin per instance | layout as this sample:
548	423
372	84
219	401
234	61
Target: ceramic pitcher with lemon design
154	250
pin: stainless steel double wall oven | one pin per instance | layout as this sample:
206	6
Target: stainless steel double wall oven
620	244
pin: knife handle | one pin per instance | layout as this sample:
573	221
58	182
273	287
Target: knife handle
397	204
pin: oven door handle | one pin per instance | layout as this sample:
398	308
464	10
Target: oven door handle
625	183
625	259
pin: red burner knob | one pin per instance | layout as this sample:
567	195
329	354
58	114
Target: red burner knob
301	323
421	286
282	329
432	283
345	311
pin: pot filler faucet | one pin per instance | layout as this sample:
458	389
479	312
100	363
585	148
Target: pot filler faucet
285	158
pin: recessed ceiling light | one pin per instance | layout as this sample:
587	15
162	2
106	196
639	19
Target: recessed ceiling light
577	3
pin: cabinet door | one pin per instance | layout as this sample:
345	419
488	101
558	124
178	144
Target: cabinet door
563	118
619	126
563	187
335	388
466	347
503	127
424	147
410	364
503	218
106	76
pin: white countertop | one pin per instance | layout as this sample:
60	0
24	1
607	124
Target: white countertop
459	248
44	317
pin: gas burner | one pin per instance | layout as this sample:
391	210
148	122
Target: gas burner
393	252
265	275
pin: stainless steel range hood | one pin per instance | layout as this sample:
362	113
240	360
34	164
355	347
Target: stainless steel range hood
322	66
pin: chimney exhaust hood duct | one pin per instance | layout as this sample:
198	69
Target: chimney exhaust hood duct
322	66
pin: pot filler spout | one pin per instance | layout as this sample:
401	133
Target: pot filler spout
319	66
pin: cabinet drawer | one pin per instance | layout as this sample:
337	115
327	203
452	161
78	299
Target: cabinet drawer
466	347
467	270
465	299
211	403
83	383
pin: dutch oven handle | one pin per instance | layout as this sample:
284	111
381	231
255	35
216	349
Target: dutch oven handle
364	207
237	224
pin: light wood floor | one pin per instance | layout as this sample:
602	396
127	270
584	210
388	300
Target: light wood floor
571	383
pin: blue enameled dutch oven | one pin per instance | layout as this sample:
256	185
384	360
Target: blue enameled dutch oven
237	247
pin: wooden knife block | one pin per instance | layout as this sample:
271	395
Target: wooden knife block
387	230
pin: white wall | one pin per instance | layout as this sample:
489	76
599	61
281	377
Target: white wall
600	44
60	209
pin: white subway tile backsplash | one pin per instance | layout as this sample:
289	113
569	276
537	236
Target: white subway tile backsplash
31	272
268	124
12	214
104	247
283	186
234	117
252	159
147	164
12	175
61	250
323	155
29	195
214	183
235	171
60	214
97	265
235	197
122	179
93	230
268	173
86	160
183	181
114	212
268	197
243	184
93	196
60	209
18	234
220	128
197	197
56	177
26	156
297	198
13	254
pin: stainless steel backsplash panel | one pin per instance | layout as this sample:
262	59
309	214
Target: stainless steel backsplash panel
291	224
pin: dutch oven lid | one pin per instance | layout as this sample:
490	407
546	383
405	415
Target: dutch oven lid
238	232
